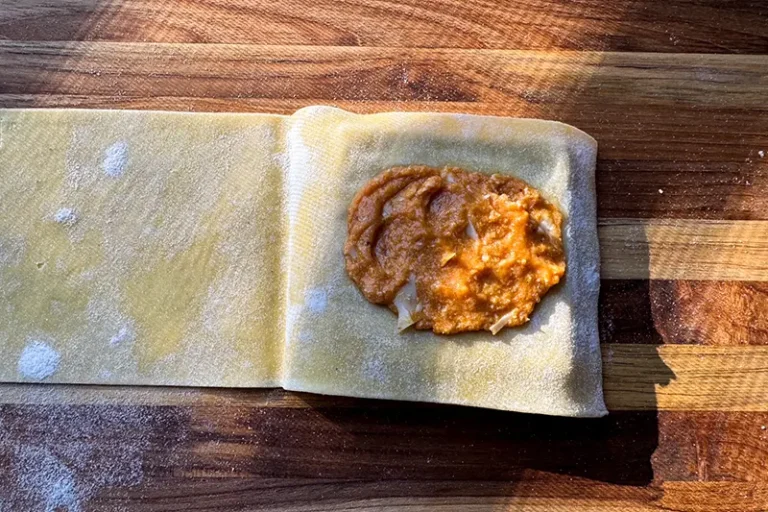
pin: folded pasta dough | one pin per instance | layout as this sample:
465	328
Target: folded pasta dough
206	250
339	343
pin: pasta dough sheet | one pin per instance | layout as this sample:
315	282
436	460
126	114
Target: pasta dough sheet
206	250
338	343
141	248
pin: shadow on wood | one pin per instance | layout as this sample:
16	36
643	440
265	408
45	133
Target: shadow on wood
449	442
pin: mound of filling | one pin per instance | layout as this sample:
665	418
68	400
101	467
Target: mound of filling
451	250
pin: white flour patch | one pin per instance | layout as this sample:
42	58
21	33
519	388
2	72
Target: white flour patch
125	334
282	161
38	360
115	159
11	251
51	482
374	369
470	126
306	338
74	175
59	457
66	216
316	300
761	153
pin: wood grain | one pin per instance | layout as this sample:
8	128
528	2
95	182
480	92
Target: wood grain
683	249
447	496
685	377
640	107
688	187
684	312
245	457
711	447
375	441
537	79
683	136
624	25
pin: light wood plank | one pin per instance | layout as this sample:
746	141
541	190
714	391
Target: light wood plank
686	377
684	249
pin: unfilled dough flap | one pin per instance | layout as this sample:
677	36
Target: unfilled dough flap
141	247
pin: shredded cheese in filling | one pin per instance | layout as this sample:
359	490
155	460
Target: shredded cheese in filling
453	251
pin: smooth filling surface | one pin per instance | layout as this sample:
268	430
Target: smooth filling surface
451	250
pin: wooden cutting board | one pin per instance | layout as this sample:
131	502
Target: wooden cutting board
676	93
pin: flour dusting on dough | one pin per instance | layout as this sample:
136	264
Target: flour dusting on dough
38	360
66	216
316	300
125	334
11	251
132	204
115	159
374	369
527	369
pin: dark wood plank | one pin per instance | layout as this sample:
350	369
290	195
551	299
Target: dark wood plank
690	186
684	312
625	312
448	496
712	313
367	441
225	457
680	136
699	26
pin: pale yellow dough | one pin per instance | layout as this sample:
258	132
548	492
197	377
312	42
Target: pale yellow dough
206	249
169	272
